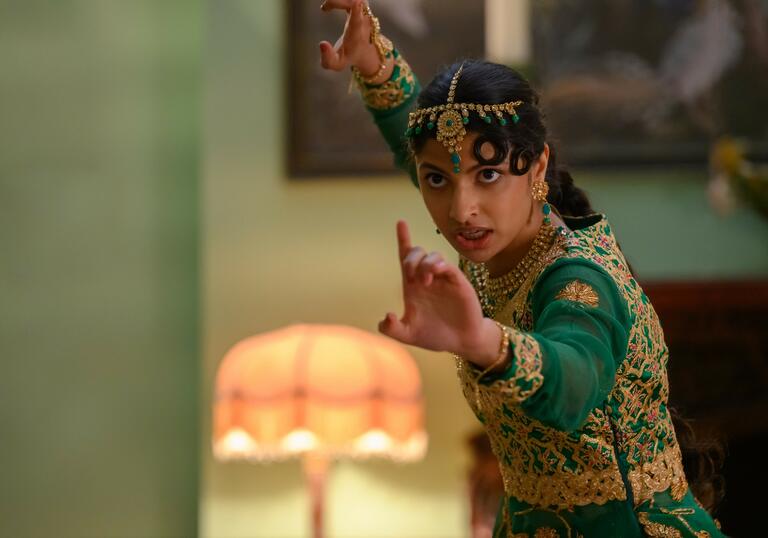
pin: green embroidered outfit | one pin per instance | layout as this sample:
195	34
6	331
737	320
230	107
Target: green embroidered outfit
579	420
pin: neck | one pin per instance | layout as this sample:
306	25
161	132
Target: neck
506	260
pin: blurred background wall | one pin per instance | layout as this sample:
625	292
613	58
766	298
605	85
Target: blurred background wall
99	271
114	240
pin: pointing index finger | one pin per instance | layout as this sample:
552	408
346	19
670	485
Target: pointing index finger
403	239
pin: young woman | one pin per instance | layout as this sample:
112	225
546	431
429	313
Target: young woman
558	350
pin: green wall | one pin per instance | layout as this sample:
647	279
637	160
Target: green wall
99	273
668	230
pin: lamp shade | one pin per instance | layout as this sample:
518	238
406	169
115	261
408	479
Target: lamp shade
330	390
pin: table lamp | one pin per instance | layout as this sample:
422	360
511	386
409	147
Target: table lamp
318	392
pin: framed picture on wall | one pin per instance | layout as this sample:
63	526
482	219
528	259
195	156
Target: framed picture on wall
635	83
329	130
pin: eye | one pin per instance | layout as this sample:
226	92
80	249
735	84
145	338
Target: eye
434	180
489	175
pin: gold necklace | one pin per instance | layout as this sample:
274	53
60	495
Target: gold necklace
496	292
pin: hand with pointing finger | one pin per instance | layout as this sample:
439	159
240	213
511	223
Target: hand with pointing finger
442	312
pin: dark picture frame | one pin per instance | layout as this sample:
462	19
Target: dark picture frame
623	84
651	83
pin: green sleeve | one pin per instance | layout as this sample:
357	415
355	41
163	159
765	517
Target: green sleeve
390	103
567	365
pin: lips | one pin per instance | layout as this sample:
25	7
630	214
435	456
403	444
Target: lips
474	238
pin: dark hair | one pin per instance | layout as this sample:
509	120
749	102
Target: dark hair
483	83
703	459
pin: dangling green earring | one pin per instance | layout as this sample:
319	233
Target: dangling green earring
547	209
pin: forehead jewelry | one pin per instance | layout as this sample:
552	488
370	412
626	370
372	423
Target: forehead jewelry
450	119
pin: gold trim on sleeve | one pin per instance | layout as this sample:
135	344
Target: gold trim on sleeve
392	93
527	359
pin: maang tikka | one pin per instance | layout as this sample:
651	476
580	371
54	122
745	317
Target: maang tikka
450	119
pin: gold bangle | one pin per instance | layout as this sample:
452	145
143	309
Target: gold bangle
503	351
370	81
384	48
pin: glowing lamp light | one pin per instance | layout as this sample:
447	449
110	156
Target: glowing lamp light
319	392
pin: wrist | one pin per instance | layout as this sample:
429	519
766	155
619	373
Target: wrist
374	69
484	350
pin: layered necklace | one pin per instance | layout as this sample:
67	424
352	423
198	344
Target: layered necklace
494	293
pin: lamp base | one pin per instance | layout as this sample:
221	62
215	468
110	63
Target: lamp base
316	473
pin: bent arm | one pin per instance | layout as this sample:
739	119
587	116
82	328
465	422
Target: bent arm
389	103
566	366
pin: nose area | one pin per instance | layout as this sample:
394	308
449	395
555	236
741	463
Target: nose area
463	203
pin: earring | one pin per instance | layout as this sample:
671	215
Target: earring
539	191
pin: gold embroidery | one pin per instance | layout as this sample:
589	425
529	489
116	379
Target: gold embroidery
527	362
549	468
546	532
532	456
393	92
663	472
657	530
579	292
638	402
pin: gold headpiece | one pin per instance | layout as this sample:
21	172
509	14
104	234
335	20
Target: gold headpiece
451	118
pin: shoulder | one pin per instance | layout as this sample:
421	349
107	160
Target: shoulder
589	271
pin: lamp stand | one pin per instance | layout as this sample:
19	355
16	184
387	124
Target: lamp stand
316	473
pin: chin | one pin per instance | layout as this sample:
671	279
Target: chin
475	256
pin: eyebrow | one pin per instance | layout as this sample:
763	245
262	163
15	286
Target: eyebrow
440	170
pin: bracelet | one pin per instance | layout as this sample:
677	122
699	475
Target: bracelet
503	351
383	46
370	81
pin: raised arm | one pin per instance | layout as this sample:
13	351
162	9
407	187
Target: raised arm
387	85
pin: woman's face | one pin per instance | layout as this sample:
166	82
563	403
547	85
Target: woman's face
483	209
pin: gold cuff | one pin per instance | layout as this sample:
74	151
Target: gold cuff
503	352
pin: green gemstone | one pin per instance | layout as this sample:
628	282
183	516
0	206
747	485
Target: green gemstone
487	119
449	123
455	158
456	169
503	121
547	220
418	129
515	118
546	209
409	131
431	125
465	120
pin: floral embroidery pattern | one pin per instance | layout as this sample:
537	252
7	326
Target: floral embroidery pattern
579	292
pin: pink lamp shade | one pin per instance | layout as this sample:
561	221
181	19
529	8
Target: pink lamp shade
321	390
